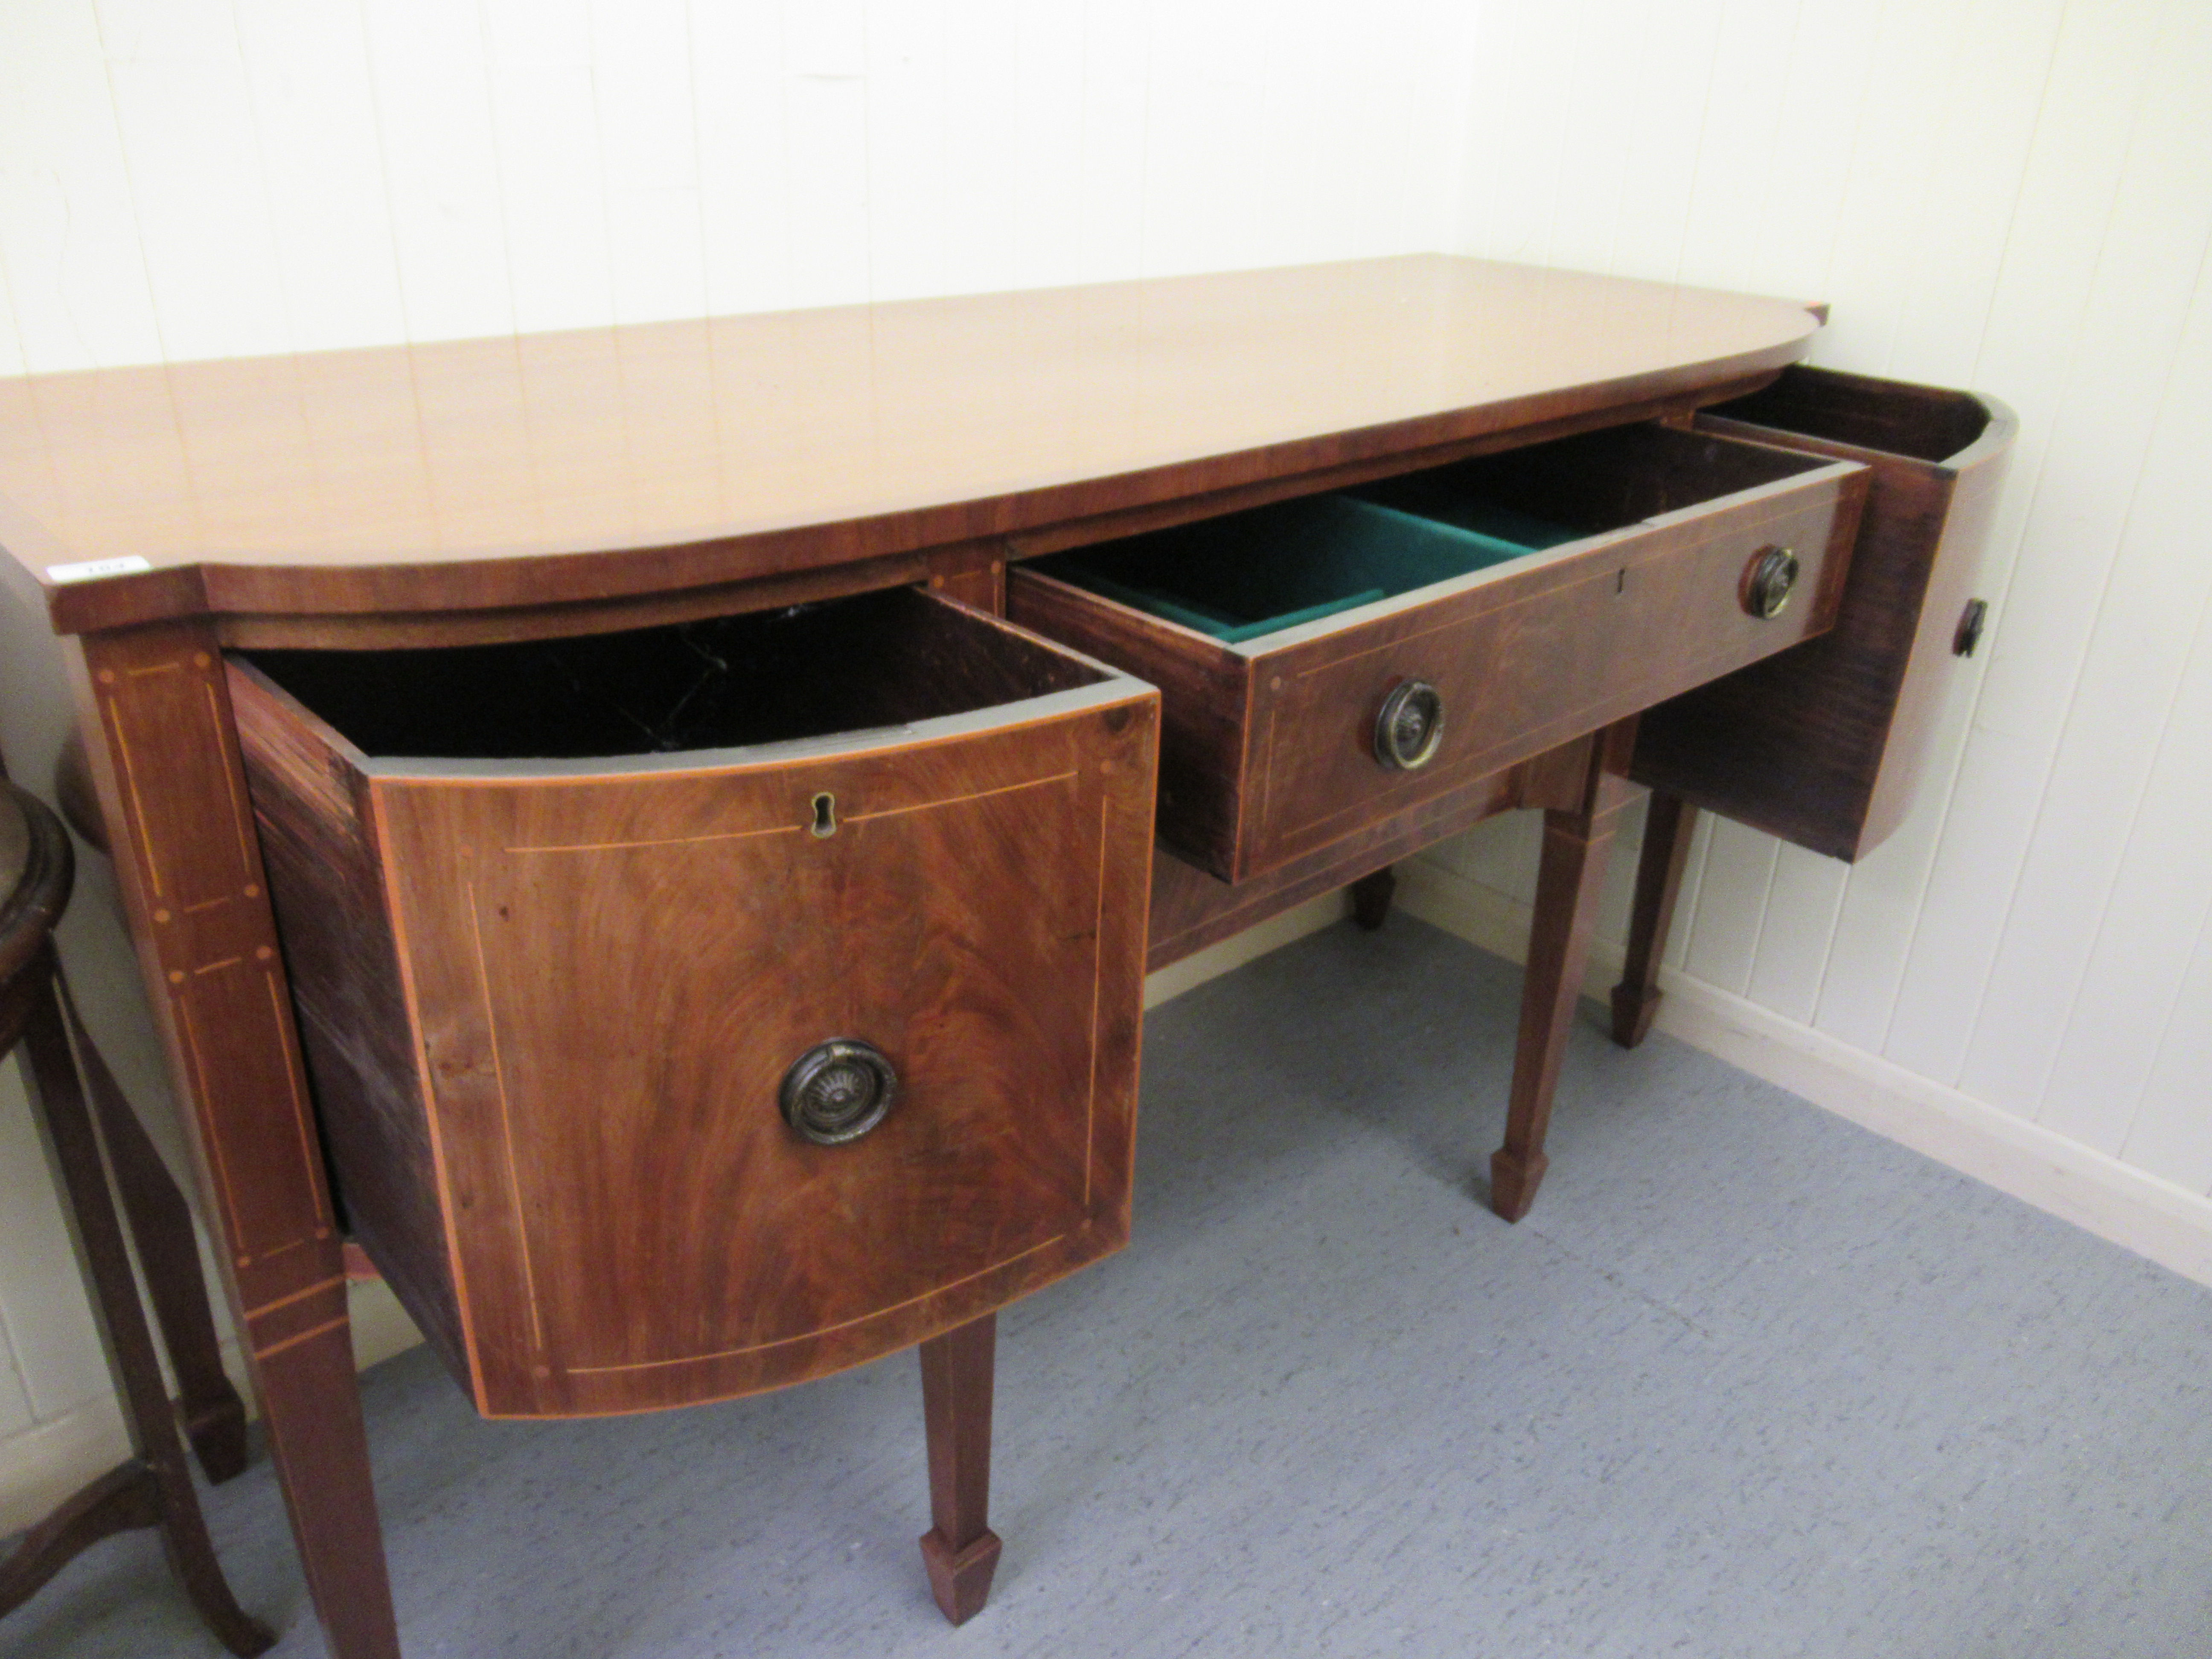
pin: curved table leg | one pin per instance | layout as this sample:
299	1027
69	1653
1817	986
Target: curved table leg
160	1224
156	1488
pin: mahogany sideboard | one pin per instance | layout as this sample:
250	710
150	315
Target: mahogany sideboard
650	831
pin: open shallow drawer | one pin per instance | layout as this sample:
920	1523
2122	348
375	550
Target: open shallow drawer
695	1010
1825	747
1330	661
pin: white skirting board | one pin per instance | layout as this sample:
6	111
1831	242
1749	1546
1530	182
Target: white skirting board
2169	1225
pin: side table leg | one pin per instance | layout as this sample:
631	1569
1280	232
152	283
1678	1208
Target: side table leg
1568	881
161	1224
1658	883
960	1550
51	1073
1370	898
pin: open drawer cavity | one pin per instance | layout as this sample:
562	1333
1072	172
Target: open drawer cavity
1330	661
699	1009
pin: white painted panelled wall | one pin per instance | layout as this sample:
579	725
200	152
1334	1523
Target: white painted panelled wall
2013	196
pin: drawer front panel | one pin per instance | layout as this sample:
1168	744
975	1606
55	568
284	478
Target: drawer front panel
1530	658
613	976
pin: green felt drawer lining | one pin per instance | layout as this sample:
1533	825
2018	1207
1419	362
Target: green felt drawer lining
1245	575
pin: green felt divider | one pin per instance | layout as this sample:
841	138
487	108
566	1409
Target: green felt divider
1238	577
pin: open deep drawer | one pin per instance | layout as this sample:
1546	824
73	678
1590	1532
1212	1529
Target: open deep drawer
695	1010
1329	661
1825	747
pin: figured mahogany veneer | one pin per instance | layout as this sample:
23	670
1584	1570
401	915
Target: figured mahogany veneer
1268	753
547	1005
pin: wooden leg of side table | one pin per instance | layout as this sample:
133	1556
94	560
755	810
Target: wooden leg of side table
1658	881
1370	898
156	1488
169	1257
163	749
960	1550
1568	882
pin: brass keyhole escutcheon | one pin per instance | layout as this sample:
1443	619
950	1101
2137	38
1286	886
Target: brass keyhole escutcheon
1410	726
1768	580
825	816
838	1090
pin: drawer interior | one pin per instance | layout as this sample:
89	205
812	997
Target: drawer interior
880	659
1929	423
1238	577
1244	575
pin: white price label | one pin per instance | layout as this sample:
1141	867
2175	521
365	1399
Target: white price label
93	568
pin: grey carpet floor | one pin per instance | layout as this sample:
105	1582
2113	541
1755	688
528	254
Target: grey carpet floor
1748	1382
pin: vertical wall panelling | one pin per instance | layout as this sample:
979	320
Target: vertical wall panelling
1724	927
648	138
2033	350
2114	653
1048	148
1803	901
552	180
1747	123
1116	98
1676	67
983	54
826	113
2173	1131
736	90
441	167
906	149
69	233
2116	1062
314	114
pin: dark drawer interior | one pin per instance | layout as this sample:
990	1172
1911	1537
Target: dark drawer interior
1929	423
881	660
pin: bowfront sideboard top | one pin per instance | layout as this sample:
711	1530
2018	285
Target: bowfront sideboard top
556	469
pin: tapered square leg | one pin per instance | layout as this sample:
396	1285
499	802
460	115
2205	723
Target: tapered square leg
1370	898
960	1551
1658	881
1568	882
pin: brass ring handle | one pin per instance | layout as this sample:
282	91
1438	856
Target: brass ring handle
1768	580
838	1090
1410	726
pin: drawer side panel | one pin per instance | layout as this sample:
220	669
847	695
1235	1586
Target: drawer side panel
340	954
1824	746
